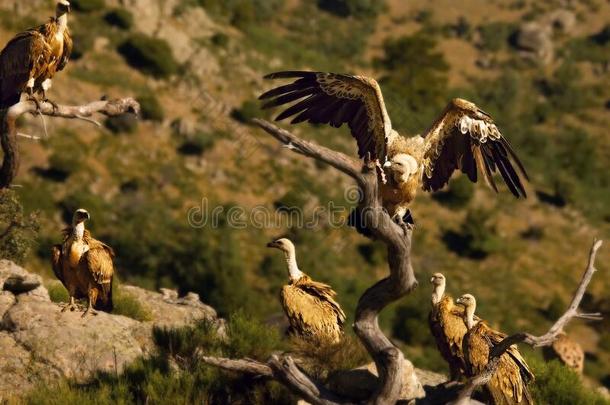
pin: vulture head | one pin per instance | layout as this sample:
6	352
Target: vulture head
80	215
283	244
63	7
469	303
401	166
438	279
438	284
286	246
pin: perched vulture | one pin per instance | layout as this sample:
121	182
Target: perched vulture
462	138
310	306
447	325
509	383
567	351
29	61
84	266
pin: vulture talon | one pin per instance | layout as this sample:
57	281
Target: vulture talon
53	104
89	311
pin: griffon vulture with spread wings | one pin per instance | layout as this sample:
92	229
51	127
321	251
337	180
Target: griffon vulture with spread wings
30	60
462	138
84	266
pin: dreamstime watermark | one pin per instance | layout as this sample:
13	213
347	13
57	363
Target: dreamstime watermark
330	215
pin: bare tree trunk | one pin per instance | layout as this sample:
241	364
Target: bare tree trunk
400	281
8	125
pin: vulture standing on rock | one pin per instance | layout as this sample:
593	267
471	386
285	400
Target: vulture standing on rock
84	266
447	325
310	306
30	60
462	138
508	385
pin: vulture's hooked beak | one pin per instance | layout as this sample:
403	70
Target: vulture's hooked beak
460	301
432	280
273	244
387	164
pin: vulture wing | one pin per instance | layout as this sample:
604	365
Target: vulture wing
98	263
57	263
336	99
21	59
68	45
464	137
311	309
448	328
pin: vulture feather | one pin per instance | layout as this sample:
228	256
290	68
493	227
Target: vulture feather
84	266
31	58
463	138
310	306
509	384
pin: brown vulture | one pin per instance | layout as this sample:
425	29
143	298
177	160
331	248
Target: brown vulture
447	325
84	266
462	138
29	61
313	313
508	385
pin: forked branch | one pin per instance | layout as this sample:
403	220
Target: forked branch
400	281
535	341
8	125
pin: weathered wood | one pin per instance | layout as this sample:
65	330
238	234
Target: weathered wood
535	341
8	125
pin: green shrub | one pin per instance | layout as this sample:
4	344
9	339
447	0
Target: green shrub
18	231
151	108
459	194
495	35
355	8
559	385
220	39
249	109
57	292
127	305
152	56
123	123
197	144
88	6
250	337
120	17
477	237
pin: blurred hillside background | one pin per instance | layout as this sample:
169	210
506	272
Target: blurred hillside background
541	69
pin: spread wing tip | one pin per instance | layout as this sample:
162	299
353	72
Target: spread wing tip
288	74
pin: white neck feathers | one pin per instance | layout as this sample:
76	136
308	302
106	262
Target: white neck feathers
291	262
469	315
437	294
79	230
62	23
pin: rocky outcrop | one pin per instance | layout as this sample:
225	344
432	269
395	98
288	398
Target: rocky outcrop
534	40
38	342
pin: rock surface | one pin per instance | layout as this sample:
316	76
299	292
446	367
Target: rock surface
38	342
535	40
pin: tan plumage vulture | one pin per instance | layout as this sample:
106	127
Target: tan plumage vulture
446	321
462	138
309	305
84	266
508	385
30	60
567	351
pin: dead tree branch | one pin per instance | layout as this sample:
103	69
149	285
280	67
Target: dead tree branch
8	125
400	281
535	341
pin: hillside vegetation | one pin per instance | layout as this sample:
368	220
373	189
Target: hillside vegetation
197	65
